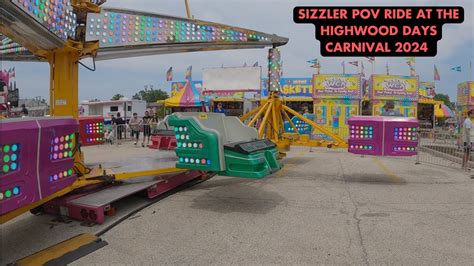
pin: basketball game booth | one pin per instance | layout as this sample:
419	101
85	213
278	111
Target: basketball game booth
336	98
401	90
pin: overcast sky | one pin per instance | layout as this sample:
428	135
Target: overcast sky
127	76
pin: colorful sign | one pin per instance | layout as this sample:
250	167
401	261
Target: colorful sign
337	86
291	87
463	93
427	90
395	87
178	86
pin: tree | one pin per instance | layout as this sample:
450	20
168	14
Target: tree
117	97
150	96
445	99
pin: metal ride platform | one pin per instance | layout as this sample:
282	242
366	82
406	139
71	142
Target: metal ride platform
94	204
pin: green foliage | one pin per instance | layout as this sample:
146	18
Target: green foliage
117	97
151	96
445	99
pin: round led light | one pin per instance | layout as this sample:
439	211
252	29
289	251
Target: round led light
6	158
8	193
14	148
186	160
6	148
1	196
192	160
6	168
195	145
16	190
55	177
13	166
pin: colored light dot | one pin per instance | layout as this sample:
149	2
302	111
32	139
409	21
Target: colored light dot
203	161
72	136
13	166
16	190
65	173
14	147
67	138
62	139
181	159
6	148
185	129
176	129
61	175
186	160
55	177
65	154
209	162
6	158
178	144
195	145
66	146
8	193
200	145
61	147
1	196
184	145
6	168
182	136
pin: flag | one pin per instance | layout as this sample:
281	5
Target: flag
343	67
436	73
370	58
410	60
456	68
387	69
169	74
189	72
354	63
256	64
312	61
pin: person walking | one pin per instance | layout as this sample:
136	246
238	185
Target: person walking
24	111
134	124
146	121
467	133
120	124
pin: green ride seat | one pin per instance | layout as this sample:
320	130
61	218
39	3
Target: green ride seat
214	142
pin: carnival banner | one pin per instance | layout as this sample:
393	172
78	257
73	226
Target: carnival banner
177	86
463	93
291	87
337	86
427	90
389	87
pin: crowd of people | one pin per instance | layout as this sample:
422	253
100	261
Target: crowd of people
136	126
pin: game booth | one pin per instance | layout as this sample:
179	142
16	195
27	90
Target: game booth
427	105
232	102
337	97
465	98
186	96
401	90
296	92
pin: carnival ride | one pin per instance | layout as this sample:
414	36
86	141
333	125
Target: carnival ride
42	159
62	33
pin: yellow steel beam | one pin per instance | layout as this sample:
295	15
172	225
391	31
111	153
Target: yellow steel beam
265	119
250	113
289	120
254	119
163	171
335	137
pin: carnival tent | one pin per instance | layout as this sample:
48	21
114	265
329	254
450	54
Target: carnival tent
188	96
441	111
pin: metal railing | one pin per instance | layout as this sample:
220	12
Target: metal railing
440	147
